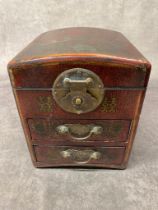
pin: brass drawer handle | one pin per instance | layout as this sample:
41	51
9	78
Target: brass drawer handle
81	156
79	131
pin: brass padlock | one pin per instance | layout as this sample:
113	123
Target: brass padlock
78	90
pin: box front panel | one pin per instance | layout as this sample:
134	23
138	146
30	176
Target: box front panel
102	136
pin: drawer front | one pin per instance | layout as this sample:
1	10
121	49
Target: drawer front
117	104
79	155
83	130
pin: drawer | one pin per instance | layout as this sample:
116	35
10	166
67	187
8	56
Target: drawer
45	129
101	156
117	104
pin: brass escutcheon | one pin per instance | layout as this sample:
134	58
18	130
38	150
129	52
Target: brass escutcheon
78	90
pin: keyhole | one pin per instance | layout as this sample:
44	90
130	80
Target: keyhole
78	101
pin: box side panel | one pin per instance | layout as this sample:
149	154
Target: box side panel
24	125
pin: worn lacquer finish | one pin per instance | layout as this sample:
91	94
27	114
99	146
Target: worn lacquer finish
103	135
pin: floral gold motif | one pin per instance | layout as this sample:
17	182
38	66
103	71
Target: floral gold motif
109	105
45	103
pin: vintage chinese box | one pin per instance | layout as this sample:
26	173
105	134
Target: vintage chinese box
79	92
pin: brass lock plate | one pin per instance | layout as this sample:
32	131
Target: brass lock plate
78	90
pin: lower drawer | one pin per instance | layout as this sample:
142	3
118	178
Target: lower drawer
66	155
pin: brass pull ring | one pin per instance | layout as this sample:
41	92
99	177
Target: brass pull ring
81	156
78	131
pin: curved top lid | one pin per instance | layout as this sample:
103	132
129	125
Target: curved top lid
106	52
81	41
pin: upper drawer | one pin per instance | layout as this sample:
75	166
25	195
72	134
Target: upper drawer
45	129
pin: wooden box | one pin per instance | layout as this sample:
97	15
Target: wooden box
79	93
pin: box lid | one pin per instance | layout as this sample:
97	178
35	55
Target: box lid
52	52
